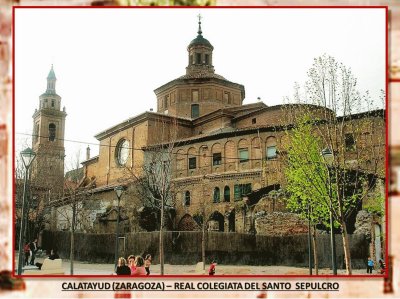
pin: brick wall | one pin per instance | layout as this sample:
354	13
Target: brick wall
185	248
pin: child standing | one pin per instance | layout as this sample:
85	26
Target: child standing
147	263
211	271
370	265
131	263
382	266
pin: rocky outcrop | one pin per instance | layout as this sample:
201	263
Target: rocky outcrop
363	223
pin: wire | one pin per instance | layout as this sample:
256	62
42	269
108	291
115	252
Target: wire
140	149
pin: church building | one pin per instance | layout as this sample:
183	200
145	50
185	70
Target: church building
227	164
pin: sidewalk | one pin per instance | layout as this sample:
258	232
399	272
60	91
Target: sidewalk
84	268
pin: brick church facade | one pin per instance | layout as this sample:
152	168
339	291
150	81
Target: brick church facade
228	157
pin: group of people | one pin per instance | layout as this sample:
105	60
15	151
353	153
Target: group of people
370	266
135	266
30	249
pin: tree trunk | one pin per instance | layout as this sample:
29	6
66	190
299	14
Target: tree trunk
161	249
346	248
72	245
203	243
314	239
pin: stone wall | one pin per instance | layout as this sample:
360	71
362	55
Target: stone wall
228	248
280	224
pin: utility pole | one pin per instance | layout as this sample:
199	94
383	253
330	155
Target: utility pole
204	181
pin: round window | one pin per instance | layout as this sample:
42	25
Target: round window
122	152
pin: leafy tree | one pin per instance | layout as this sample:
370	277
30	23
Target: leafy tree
306	174
336	119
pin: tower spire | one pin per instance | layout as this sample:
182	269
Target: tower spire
199	32
51	81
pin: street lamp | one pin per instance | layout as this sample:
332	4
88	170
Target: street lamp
328	157
309	240
118	190
27	155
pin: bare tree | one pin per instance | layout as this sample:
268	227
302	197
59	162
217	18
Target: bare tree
74	207
154	184
37	197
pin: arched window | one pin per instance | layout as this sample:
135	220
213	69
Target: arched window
187	198
198	58
216	195
52	132
206	59
122	152
227	194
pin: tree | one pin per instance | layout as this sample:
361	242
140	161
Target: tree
37	197
74	207
306	177
153	184
347	125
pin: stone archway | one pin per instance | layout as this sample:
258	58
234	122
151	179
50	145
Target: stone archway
216	222
187	223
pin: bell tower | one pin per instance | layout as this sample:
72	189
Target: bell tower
48	140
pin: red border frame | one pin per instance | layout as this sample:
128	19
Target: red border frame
336	277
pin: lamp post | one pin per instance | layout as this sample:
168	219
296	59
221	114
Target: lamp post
27	155
328	157
118	190
309	240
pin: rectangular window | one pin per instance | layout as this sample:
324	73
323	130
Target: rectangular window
166	102
246	189
195	95
198	58
217	159
349	142
271	152
192	163
241	190
243	155
254	121
52	103
195	111
227	98
237	192
206	60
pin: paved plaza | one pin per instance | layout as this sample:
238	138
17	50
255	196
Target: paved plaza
83	268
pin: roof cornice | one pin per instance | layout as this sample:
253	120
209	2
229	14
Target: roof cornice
137	120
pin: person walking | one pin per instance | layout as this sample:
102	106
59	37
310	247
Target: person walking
27	252
147	263
370	265
33	248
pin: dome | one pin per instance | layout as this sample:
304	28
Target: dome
200	40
